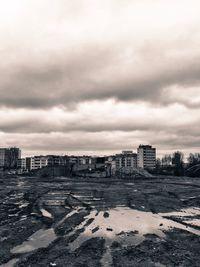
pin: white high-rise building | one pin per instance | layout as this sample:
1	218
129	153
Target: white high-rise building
146	157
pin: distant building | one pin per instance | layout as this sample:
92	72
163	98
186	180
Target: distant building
126	159
54	160
3	157
81	160
100	160
29	163
14	155
39	162
36	162
84	160
9	157
146	157
73	159
21	164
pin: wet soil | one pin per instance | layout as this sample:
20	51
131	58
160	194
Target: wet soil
99	222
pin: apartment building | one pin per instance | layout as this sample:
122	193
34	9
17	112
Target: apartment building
36	162
40	162
55	160
3	157
9	157
85	160
126	159
21	164
146	157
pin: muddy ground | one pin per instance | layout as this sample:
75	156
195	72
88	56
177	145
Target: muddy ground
74	222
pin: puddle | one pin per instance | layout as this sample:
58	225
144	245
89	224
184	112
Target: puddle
67	216
195	222
11	263
20	183
45	213
24	205
128	227
193	197
184	212
40	239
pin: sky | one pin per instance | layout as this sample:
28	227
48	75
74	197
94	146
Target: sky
99	76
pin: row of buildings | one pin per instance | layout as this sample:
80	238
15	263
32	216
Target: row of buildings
39	162
144	158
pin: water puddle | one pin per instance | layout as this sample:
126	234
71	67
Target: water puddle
24	205
188	216
67	216
45	213
190	198
127	227
195	222
20	183
184	212
40	239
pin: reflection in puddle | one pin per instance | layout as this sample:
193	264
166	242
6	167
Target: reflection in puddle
127	227
40	239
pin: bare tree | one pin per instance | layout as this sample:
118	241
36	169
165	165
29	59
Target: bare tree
193	159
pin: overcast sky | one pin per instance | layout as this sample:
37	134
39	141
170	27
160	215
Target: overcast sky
99	76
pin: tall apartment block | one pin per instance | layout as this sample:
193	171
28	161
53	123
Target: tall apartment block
146	157
9	157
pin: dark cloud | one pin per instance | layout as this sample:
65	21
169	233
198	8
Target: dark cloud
84	124
95	73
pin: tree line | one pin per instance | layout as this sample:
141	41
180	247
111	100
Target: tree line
175	164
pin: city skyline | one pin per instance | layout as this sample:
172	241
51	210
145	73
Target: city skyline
98	77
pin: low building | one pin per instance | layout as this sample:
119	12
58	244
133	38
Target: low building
84	160
39	162
36	162
55	160
125	160
146	157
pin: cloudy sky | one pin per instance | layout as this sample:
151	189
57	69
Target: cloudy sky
99	76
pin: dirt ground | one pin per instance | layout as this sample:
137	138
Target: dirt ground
99	222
